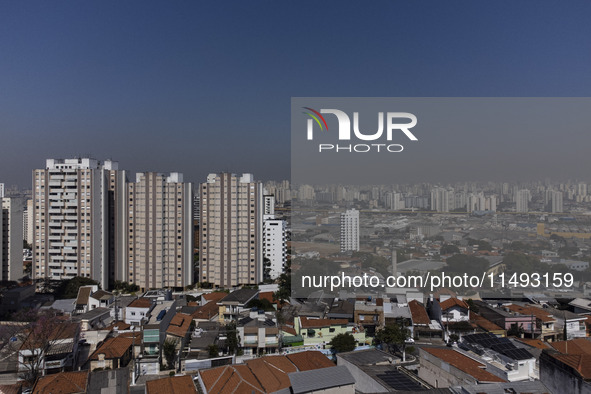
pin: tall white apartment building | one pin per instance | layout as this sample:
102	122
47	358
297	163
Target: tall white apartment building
274	238
522	197
159	232
350	230
70	215
11	239
275	246
1	190
231	231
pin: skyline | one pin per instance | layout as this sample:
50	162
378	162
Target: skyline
200	88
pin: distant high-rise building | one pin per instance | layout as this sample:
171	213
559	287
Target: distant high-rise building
1	190
350	230
28	224
522	197
442	200
71	219
556	201
11	239
160	228
231	232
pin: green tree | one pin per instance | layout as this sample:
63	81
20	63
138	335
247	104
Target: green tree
473	307
284	282
169	350
214	351
393	335
449	249
232	337
69	288
343	343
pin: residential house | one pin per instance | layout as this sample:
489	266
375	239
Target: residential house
137	312
179	329
369	313
567	367
422	325
321	331
446	367
375	371
234	303
544	321
56	352
112	354
258	333
269	374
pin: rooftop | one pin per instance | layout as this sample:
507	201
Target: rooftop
316	380
171	385
463	363
319	323
141	303
62	383
239	297
451	302
418	313
179	325
113	348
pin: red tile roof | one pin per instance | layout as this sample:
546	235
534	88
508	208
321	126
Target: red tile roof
532	310
574	346
580	362
464	364
179	325
451	302
174	384
319	323
483	323
206	312
534	343
308	360
62	383
140	303
418	313
113	348
261	375
215	296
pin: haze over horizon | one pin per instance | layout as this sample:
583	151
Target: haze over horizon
206	87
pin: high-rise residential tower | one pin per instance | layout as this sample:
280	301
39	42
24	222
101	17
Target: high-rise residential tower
11	239
231	231
522	197
350	230
70	211
159	232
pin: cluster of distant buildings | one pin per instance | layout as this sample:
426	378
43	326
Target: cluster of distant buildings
466	197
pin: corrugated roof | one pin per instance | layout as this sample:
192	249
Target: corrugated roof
315	380
83	295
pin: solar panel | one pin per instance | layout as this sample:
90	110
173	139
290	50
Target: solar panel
518	354
399	381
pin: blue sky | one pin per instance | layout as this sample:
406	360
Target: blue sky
201	87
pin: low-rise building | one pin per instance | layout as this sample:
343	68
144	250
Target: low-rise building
446	367
138	311
322	331
112	354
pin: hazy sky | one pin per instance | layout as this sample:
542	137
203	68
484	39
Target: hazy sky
202	87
